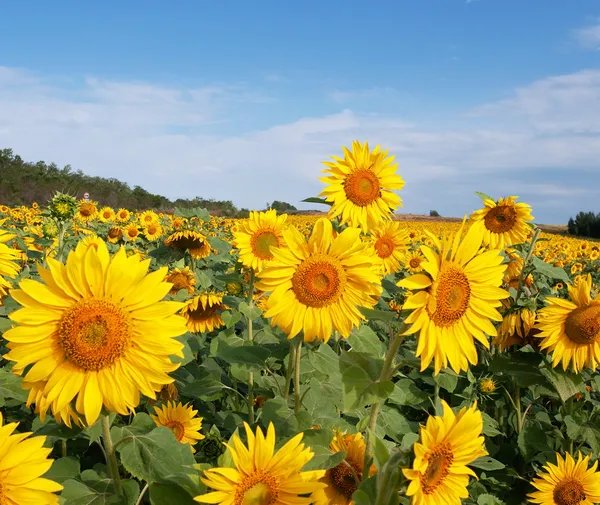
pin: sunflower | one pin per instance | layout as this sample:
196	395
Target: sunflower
95	330
153	231
86	211
8	268
203	312
5	235
89	241
23	461
448	444
66	416
343	480
413	260
504	222
148	217
114	234
181	279
181	420
318	285
123	216
390	242
514	329
256	237
360	186
487	385
569	482
192	241
261	475
131	232
458	295
571	329
106	214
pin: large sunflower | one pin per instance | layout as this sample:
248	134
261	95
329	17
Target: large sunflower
181	420
192	241
504	222
261	475
361	186
390	241
448	444
458	295
571	329
318	285
257	235
569	482
203	312
96	331
343	480
23	461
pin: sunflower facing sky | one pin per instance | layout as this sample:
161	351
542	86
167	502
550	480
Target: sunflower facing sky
570	329
456	302
257	235
361	186
390	241
203	312
23	461
263	475
181	420
569	482
96	331
317	285
448	444
505	222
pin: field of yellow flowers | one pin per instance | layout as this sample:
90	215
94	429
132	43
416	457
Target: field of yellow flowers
178	358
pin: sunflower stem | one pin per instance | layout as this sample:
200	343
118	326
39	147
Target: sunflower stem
61	240
518	409
111	456
250	338
63	448
534	239
289	370
298	355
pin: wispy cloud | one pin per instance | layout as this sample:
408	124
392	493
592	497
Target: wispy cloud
589	36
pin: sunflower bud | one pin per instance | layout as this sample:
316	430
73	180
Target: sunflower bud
62	207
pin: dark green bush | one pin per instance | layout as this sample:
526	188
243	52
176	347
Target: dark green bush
585	224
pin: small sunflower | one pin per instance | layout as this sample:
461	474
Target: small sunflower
192	241
106	214
262	475
390	240
256	237
123	216
504	222
487	385
153	230
114	235
317	285
569	482
23	461
86	211
343	480
181	279
131	232
148	217
203	312
413	261
361	186
181	420
448	444
570	329
456	302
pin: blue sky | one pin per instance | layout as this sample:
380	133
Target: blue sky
243	100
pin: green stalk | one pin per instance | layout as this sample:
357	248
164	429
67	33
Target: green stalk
518	409
111	456
289	370
251	338
534	239
298	355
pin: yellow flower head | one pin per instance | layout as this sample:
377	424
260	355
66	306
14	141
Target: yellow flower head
203	312
181	420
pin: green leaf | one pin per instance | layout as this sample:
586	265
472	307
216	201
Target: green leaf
198	212
487	463
207	388
360	390
488	499
446	381
243	353
63	469
169	493
490	426
566	384
532	440
408	441
380	315
251	313
549	270
325	360
314	199
407	393
10	386
483	196
523	366
364	339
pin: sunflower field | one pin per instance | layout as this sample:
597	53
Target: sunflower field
179	358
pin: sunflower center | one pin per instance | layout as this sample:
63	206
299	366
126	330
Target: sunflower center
258	488
123	215
438	467
177	428
319	281
384	247
583	324
362	187
132	232
94	333
152	228
500	219
414	262
569	492
202	314
262	242
452	295
344	478
106	214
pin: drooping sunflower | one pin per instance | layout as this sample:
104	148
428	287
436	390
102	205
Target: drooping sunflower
261	475
123	216
203	312
23	461
192	241
343	480
448	444
361	186
8	268
181	420
504	222
153	230
317	285
86	211
514	329
457	299
570	329
114	234
106	214
390	242
96	331
257	235
181	279
569	482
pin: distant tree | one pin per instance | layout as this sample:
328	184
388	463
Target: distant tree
434	213
282	206
585	224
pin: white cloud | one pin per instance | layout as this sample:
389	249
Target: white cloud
170	140
588	37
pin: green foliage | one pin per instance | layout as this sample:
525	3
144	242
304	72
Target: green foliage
585	224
